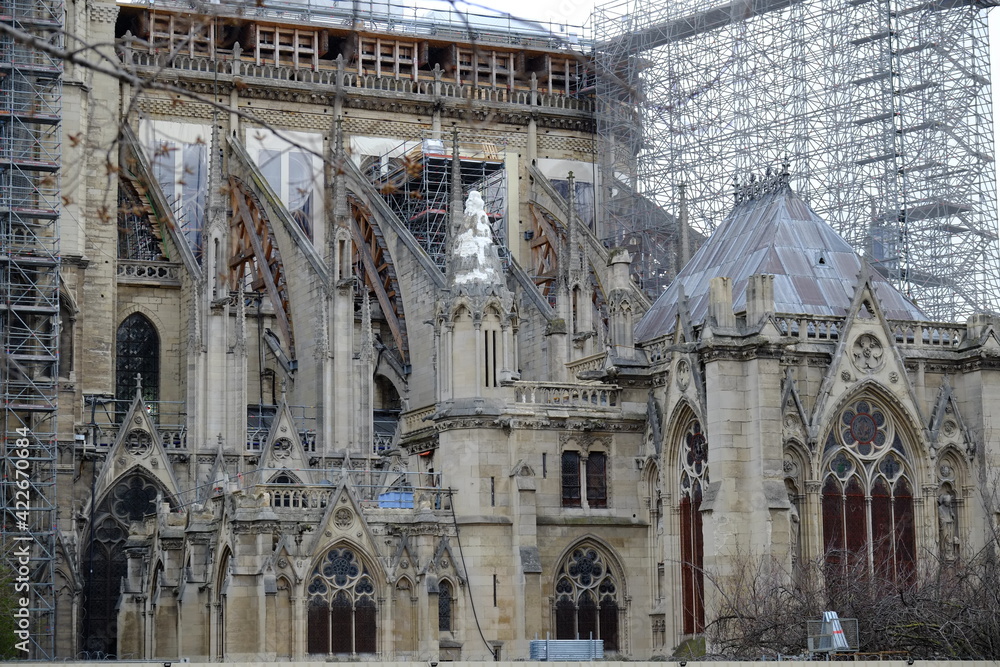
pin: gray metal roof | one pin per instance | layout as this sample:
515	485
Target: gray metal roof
815	270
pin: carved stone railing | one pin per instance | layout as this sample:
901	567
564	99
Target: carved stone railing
149	272
173	437
374	489
552	394
297	496
933	334
658	350
414	420
810	327
594	362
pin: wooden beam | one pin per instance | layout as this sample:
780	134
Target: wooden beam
280	306
388	308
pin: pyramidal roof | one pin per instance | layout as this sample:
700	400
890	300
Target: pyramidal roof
815	270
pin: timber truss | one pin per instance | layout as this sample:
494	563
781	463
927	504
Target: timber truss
376	269
254	260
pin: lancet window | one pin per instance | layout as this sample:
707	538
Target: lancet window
693	467
137	353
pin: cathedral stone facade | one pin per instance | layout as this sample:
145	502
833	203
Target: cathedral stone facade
347	372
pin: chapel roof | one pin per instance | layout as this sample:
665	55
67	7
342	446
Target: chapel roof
773	231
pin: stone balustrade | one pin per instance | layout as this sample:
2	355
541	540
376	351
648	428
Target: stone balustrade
927	333
297	496
594	362
414	420
149	272
810	328
553	394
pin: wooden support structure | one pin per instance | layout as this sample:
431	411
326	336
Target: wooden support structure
378	271
254	254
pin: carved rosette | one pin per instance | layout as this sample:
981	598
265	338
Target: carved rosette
867	353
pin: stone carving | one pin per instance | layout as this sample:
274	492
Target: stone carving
794	531
683	374
946	526
343	518
868	353
138	442
282	449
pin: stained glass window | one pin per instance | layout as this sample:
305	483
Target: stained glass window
586	604
597	479
131	499
867	495
444	606
694	477
137	359
571	479
342	606
579	474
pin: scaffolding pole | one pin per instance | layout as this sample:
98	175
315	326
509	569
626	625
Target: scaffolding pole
30	114
416	180
882	107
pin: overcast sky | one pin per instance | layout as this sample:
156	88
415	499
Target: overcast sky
576	12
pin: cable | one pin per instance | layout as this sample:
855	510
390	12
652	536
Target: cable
461	554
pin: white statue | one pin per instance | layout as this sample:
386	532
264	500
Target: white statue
946	526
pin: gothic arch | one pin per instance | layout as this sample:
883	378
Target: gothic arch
284	476
448	599
282	625
682	412
343	590
405	628
130	498
905	416
137	353
222	581
589	594
67	331
869	482
954	516
798	470
461	305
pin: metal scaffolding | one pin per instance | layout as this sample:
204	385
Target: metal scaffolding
882	107
416	180
30	112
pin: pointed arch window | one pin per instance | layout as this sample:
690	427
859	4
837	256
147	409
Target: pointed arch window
445	606
868	522
587	598
693	478
342	607
131	499
137	353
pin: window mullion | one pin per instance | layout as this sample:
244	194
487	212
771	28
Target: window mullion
869	541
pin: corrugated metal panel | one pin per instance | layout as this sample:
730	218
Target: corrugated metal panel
815	270
566	650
